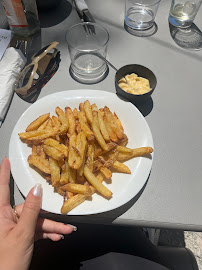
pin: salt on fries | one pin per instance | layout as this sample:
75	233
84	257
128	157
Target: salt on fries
77	150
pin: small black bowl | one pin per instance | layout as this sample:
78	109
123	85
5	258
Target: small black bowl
141	71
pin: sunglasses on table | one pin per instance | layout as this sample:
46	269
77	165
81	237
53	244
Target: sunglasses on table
42	68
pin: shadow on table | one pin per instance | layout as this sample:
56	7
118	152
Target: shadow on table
142	33
144	108
187	38
55	15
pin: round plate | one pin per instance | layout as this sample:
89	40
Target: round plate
123	186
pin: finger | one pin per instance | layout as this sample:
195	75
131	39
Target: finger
19	208
51	236
4	182
50	226
30	212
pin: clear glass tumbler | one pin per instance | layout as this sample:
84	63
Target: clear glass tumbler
183	12
140	14
85	40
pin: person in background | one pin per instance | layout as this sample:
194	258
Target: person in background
20	227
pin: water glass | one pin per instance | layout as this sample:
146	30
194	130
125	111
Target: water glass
140	14
85	40
183	12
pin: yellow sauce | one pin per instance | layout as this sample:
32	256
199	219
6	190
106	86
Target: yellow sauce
135	85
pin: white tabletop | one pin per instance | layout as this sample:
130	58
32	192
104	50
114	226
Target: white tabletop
172	196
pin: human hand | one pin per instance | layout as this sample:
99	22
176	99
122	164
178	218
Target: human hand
17	235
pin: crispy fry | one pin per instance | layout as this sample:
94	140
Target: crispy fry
37	122
111	119
100	151
40	163
63	119
71	203
77	188
88	111
94	107
123	149
137	152
85	127
81	145
118	121
90	156
120	167
99	166
49	125
81	107
56	122
58	145
53	152
96	183
31	134
72	152
40	138
65	174
103	128
111	133
111	160
34	150
71	120
55	171
98	135
43	126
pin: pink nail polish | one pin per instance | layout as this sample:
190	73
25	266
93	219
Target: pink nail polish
37	191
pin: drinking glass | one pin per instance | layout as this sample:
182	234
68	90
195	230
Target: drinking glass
183	12
85	40
140	14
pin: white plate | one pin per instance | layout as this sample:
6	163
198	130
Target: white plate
123	186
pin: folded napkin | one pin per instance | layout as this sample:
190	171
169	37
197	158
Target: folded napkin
11	65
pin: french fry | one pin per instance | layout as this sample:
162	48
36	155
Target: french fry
56	122
96	183
112	134
71	120
124	149
55	171
94	107
58	145
118	121
65	174
81	145
72	152
85	127
34	150
100	151
77	188
103	128
81	107
120	167
111	119
90	156
69	195
99	166
31	134
73	202
97	133
63	119
40	163
43	126
38	122
49	125
137	152
72	175
88	111
108	163
53	152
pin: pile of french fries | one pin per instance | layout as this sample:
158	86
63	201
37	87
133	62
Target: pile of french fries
77	150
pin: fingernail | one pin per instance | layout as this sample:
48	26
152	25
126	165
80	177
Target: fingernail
62	236
37	191
74	227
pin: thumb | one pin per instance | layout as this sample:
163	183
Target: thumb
31	209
